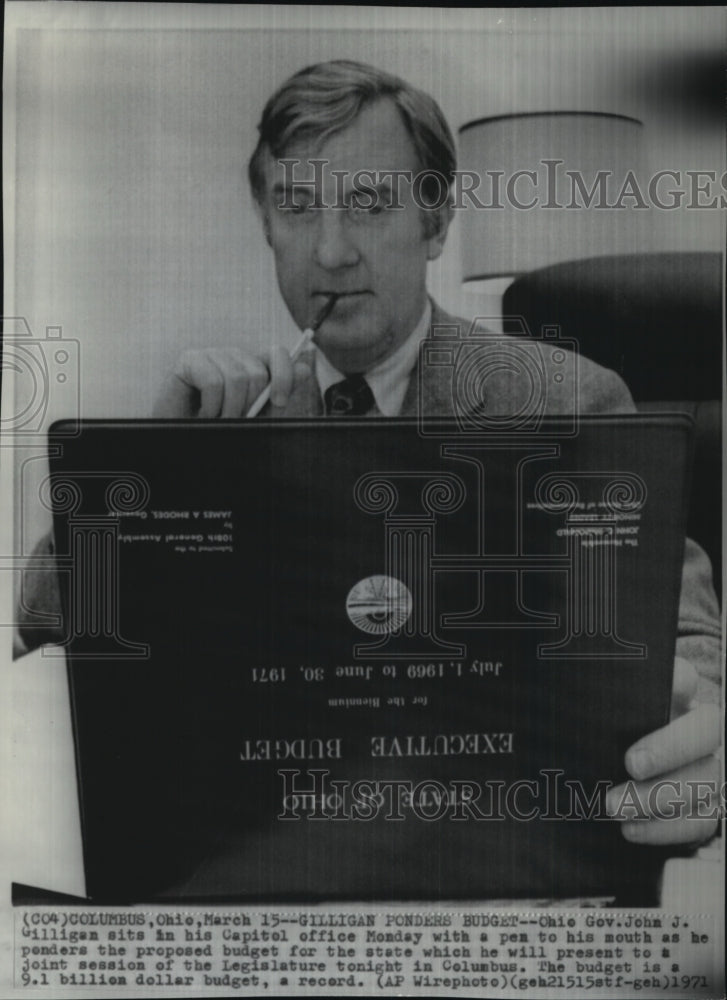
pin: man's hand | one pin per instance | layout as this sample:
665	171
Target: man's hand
674	797
225	382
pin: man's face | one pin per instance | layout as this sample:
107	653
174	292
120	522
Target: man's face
374	258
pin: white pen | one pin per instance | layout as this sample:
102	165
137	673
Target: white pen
305	338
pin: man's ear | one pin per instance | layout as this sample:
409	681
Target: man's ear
262	215
437	227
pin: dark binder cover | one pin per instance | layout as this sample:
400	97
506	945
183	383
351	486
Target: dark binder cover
362	660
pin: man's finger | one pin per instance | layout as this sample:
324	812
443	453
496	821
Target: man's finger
177	400
682	807
211	384
302	369
666	831
684	686
281	376
686	739
233	398
201	379
690	790
242	385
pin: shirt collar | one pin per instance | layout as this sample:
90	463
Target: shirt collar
388	379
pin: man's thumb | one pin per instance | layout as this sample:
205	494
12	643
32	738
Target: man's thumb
303	368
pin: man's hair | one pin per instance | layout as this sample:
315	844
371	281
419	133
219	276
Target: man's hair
321	100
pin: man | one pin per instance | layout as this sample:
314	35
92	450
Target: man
334	179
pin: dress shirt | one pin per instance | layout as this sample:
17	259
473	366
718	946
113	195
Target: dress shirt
389	378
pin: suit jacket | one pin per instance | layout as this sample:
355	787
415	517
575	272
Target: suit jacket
527	368
520	367
596	390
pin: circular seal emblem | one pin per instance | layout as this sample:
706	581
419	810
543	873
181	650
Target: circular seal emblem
379	604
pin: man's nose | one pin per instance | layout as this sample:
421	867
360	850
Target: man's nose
334	246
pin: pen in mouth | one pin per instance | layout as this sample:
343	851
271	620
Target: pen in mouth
325	311
305	338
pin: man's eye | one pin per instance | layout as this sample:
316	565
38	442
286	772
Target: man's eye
366	205
296	209
300	203
296	202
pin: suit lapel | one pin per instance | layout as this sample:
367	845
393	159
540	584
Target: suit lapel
430	382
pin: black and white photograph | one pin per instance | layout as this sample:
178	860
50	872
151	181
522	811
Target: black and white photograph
361	464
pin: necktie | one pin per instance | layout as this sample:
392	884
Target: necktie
350	398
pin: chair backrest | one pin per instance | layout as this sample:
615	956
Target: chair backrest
656	319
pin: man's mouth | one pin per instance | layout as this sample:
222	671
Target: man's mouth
344	302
